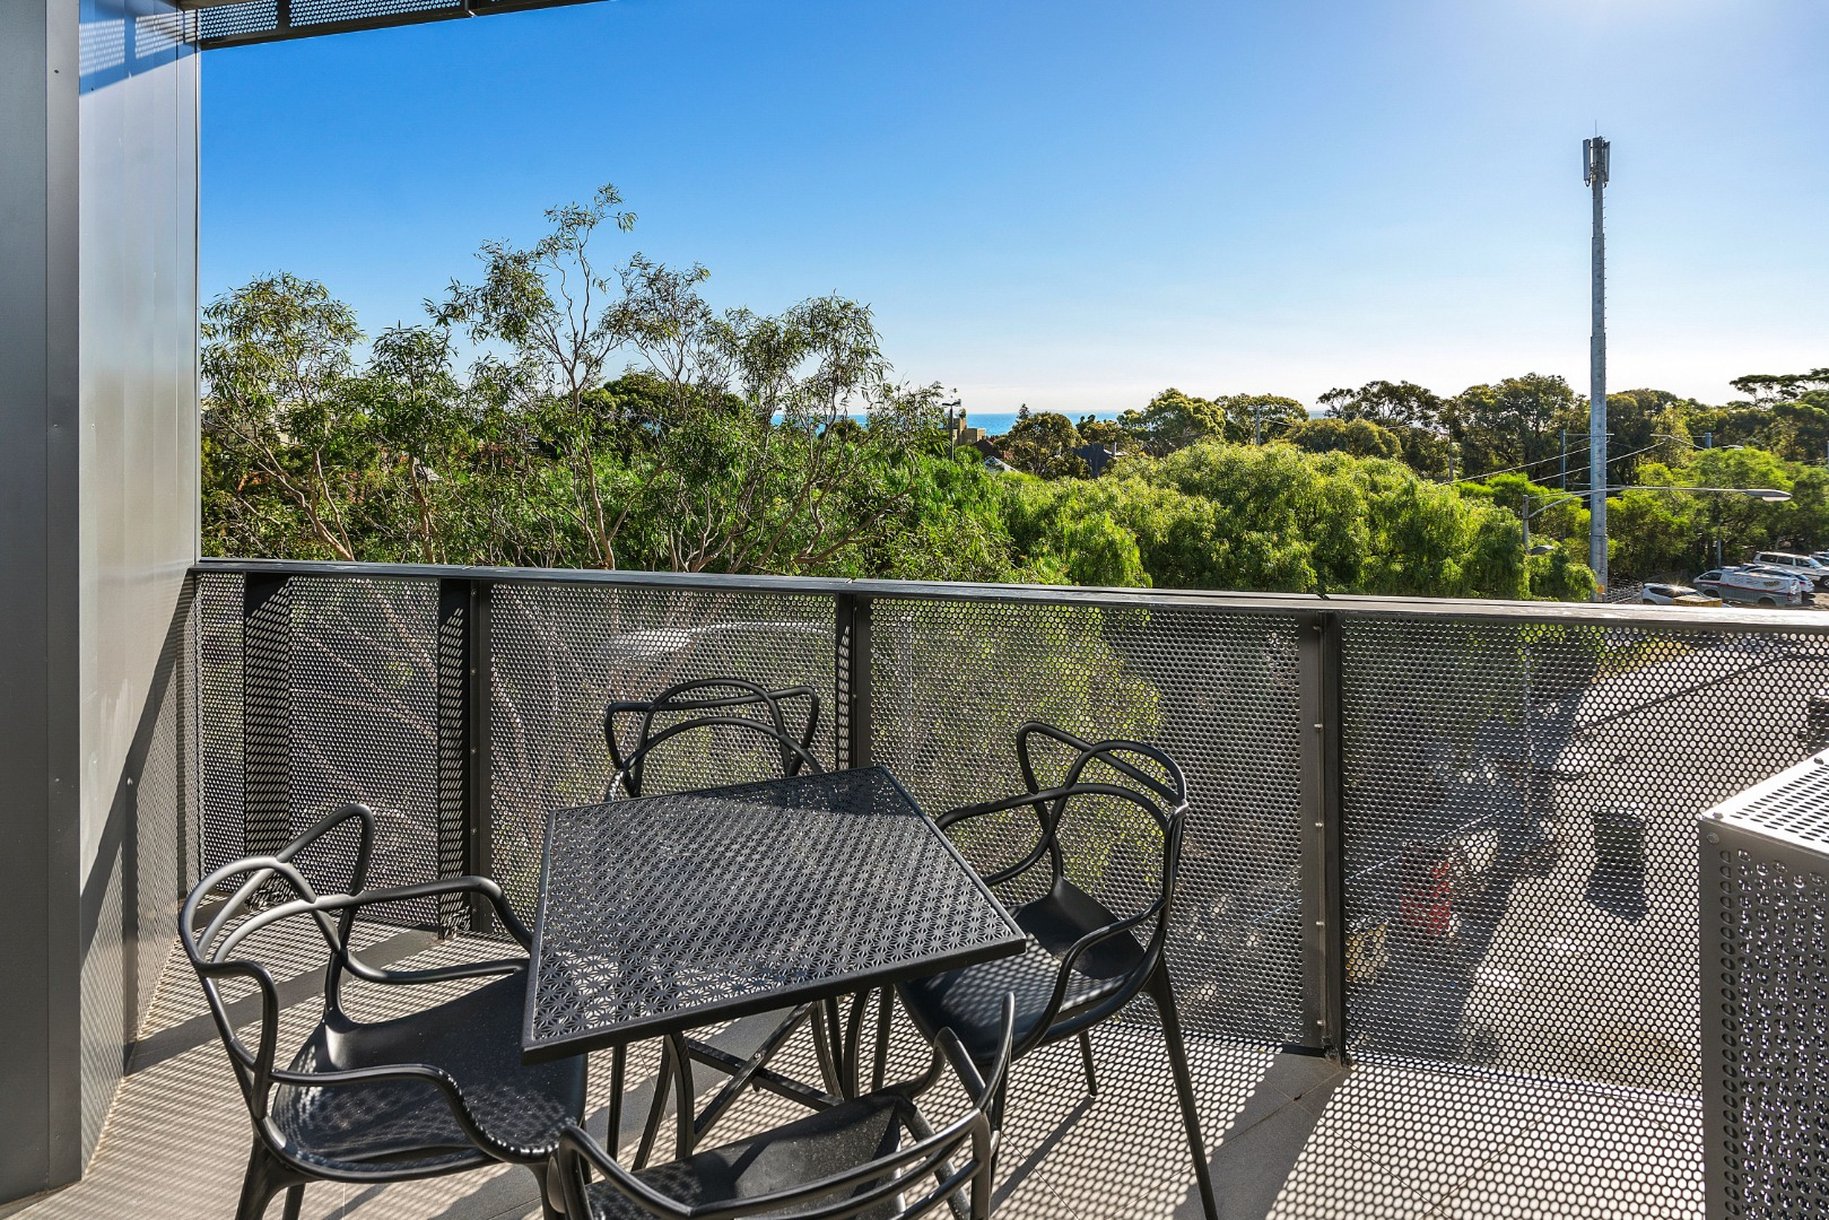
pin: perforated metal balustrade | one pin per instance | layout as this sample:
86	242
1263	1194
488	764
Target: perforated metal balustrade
1505	801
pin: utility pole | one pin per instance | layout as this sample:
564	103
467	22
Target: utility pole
1594	158
1562	444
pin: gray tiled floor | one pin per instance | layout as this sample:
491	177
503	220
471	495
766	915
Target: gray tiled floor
1290	1137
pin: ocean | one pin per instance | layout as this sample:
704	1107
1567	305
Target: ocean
996	423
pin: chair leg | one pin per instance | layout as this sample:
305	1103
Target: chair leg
552	1200
266	1178
619	1071
657	1108
1162	992
1092	1079
684	1134
885	1009
828	1042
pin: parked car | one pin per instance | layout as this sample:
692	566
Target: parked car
1805	585
1821	557
1744	587
1653	593
1806	566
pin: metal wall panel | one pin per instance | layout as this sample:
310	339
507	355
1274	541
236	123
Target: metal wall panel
362	724
137	503
39	745
98	489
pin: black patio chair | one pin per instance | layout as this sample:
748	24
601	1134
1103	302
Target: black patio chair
731	711
870	1157
730	717
438	1091
1117	804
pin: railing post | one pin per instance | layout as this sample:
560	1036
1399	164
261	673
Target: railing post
462	801
465	833
266	713
1322	875
851	679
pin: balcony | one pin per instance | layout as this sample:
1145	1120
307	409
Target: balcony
1437	942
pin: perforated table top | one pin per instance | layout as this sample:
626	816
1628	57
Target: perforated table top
681	910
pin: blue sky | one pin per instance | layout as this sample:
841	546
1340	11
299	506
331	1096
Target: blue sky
1074	204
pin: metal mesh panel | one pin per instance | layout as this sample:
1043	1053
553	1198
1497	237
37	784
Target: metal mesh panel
228	21
219	719
313	692
364	719
1769	1044
560	653
318	12
951	681
1519	864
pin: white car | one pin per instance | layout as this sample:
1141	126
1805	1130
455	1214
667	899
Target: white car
1807	566
1747	587
1655	593
1805	585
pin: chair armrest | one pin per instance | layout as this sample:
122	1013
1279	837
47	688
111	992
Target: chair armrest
320	907
965	813
575	1145
443	885
1080	946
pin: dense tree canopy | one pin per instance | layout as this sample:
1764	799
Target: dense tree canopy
569	408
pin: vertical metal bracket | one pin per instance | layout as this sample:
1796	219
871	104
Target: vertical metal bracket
479	820
1324	936
456	611
266	700
851	677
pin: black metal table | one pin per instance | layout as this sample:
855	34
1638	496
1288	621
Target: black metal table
678	911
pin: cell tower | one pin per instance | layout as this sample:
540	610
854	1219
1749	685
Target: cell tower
1594	157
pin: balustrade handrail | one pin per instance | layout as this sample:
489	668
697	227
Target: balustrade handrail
1739	619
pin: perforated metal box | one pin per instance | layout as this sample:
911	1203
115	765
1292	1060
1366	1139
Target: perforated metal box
1765	997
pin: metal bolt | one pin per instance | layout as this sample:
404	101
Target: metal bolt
1713	837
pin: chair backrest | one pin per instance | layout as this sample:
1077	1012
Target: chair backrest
926	1173
698	733
255	894
1107	818
1110	814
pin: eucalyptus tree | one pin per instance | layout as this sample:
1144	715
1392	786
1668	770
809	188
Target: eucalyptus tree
280	453
563	320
